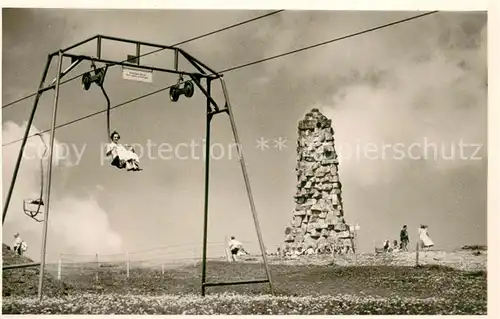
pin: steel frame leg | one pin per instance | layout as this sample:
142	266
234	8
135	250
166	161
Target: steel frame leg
210	115
49	178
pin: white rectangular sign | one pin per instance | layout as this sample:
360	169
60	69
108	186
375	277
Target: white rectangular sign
137	75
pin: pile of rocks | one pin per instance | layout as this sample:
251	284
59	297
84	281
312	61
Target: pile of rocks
318	224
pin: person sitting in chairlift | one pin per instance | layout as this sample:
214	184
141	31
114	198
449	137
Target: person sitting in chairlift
123	156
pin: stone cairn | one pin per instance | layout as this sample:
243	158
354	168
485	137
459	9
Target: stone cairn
318	224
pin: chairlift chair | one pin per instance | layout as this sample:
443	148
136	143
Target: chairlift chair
33	207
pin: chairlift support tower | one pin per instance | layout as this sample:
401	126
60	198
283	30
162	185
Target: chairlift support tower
203	81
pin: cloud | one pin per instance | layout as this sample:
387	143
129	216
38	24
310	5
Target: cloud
76	225
440	101
84	226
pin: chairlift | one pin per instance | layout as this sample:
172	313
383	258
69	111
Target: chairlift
33	207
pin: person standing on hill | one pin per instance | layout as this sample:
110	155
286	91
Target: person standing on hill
404	239
19	245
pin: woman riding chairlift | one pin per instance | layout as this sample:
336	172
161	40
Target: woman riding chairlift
122	155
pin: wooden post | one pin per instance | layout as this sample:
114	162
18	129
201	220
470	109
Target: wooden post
416	254
355	248
226	249
97	268
281	252
354	244
162	269
59	268
352	233
128	265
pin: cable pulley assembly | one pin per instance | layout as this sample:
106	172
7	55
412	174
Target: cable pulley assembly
181	88
97	77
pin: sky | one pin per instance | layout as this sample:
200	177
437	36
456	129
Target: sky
408	105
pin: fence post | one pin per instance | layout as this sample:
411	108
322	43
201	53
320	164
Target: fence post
355	258
279	252
226	250
355	244
97	268
416	254
59	268
128	265
162	269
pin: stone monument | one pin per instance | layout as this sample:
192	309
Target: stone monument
318	224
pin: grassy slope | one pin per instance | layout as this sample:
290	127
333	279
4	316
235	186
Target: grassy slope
296	279
24	281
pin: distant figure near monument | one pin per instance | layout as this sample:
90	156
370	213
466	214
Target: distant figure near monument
318	224
425	240
404	238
